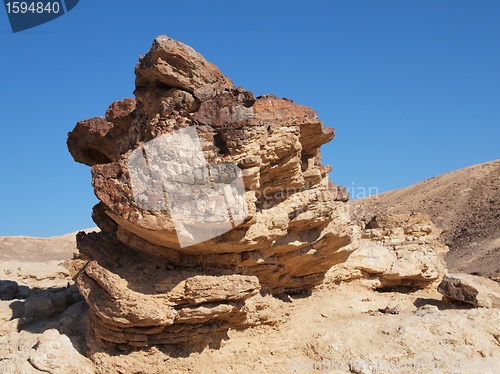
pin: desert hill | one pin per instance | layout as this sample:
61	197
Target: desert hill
464	203
32	249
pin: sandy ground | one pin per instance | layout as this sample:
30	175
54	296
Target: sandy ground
340	328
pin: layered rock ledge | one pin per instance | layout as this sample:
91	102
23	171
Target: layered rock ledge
208	196
395	251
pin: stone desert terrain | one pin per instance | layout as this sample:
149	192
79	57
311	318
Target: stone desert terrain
280	274
342	327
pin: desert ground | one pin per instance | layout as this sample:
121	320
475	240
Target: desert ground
342	327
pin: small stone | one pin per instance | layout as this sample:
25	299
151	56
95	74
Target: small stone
471	289
54	353
8	289
38	307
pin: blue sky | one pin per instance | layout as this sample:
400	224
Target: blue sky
411	87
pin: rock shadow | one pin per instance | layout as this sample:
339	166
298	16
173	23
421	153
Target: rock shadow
181	350
442	304
39	309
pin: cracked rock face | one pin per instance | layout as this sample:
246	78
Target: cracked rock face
208	195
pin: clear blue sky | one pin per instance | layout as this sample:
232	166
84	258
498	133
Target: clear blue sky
412	87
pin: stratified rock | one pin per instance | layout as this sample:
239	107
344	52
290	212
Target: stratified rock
471	289
193	144
396	250
137	318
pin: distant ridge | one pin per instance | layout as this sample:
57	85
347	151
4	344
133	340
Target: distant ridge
33	249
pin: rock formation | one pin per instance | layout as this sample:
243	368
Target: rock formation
208	196
396	250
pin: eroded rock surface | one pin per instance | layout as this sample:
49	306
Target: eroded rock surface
288	223
396	250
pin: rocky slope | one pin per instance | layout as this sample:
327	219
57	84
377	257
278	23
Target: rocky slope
464	203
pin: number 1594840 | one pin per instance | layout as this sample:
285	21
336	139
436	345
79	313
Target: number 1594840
33	7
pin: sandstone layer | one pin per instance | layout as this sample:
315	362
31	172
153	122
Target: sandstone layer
396	250
271	222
